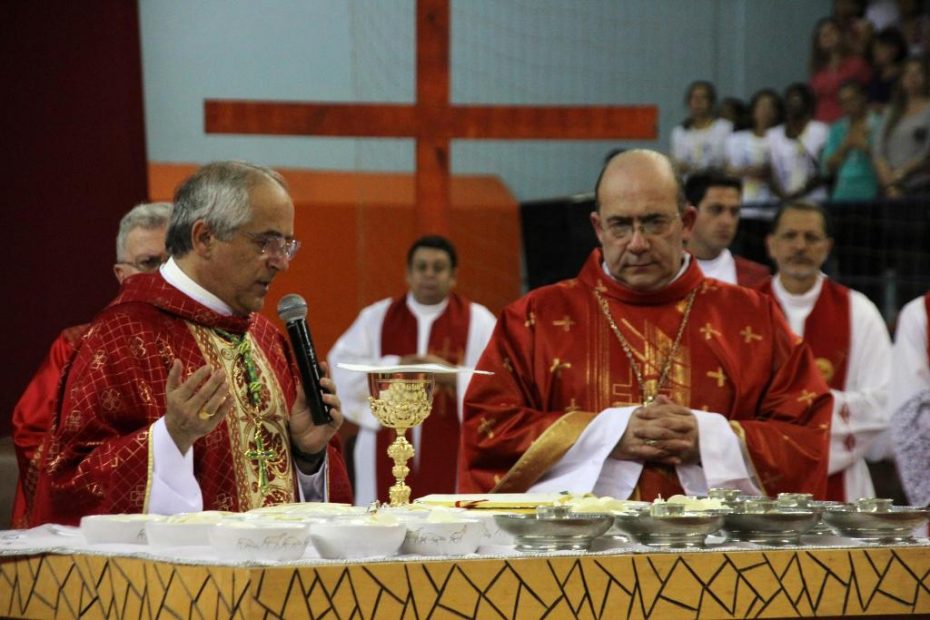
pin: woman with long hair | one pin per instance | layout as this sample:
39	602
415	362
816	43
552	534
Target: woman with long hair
699	141
832	63
902	153
748	154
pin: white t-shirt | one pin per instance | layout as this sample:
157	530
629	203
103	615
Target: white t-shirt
744	149
795	161
702	148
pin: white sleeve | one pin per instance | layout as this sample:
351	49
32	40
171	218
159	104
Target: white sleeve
174	487
912	371
479	333
587	465
312	487
360	344
723	463
678	143
860	412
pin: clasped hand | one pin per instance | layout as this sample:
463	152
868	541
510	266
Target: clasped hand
661	432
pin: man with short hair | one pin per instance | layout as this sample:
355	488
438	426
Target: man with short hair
429	324
847	335
717	199
140	248
641	377
182	397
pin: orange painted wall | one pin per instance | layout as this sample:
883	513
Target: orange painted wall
355	229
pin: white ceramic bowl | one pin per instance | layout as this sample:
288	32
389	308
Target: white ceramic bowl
122	528
491	533
357	539
448	538
259	541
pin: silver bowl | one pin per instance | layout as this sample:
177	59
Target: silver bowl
886	527
777	527
543	532
677	531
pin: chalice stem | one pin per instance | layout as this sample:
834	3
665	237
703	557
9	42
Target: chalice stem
400	451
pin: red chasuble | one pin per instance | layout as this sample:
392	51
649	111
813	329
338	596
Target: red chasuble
557	363
32	416
750	273
437	458
828	331
927	307
97	459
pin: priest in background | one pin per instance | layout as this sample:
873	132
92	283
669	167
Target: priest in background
181	396
641	377
430	323
847	334
140	248
717	198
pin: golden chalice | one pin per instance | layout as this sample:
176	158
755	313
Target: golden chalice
400	400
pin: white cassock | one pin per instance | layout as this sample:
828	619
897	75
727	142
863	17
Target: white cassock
361	344
912	368
868	374
722	268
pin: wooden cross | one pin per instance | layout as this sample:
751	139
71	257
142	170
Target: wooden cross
432	120
261	456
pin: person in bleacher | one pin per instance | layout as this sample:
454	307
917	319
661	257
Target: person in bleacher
889	49
847	335
902	149
641	377
847	156
795	148
700	141
140	248
832	63
909	399
716	197
748	155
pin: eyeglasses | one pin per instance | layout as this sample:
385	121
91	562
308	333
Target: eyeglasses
146	264
623	228
274	245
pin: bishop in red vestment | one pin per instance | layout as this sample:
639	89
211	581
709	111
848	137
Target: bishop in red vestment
179	378
732	398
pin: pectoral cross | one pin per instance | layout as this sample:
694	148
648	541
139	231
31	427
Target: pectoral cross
261	456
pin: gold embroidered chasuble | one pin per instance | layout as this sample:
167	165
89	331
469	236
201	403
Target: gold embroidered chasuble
558	362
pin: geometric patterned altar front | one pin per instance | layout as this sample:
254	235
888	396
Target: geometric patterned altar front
786	583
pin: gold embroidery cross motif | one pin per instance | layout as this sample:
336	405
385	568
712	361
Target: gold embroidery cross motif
558	365
261	456
530	320
572	406
748	335
807	397
709	331
485	427
565	323
718	375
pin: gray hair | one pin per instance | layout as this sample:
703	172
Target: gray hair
218	194
147	216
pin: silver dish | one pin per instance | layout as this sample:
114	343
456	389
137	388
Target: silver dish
543	532
778	527
821	506
895	525
677	531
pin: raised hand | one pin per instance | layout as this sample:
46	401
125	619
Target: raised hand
195	406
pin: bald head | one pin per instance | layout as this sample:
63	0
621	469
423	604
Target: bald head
637	170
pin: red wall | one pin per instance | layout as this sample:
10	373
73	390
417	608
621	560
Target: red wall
72	138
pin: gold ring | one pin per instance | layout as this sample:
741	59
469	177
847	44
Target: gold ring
650	442
205	415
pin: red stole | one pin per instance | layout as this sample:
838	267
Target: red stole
439	445
828	331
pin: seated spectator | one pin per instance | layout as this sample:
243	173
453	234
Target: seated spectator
902	146
832	63
699	141
847	156
889	49
747	151
795	148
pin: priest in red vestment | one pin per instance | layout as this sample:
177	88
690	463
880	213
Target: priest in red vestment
140	248
717	200
641	377
431	323
181	397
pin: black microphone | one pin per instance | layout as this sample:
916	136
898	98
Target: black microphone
293	311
